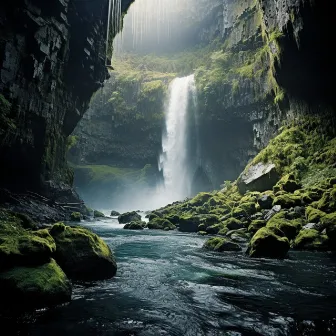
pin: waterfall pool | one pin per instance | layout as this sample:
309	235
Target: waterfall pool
167	285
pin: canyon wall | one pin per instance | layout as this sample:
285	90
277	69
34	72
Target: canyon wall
52	59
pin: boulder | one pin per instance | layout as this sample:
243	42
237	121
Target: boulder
218	244
115	213
233	224
34	287
310	239
135	225
258	177
213	229
129	217
158	223
286	200
268	242
82	254
288	183
75	217
256	225
265	201
98	214
290	228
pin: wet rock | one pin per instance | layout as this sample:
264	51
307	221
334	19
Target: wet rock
98	214
265	201
268	243
114	213
256	225
158	223
129	217
135	226
258	177
75	217
34	287
221	245
82	254
233	224
310	239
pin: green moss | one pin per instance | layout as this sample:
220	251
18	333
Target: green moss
310	239
287	200
202	233
328	201
268	242
256	225
290	228
160	224
82	254
220	245
233	224
200	199
128	217
214	229
98	214
21	247
36	287
75	217
288	183
71	142
135	225
314	215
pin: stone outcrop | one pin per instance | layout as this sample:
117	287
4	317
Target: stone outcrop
52	59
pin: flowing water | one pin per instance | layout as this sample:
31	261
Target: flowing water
167	285
174	158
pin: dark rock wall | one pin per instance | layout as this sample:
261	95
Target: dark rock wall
52	58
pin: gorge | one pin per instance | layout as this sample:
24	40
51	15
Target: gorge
209	125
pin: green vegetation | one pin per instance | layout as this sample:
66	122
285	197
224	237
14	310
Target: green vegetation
98	214
160	224
310	239
135	225
129	217
75	217
82	254
290	228
37	287
218	244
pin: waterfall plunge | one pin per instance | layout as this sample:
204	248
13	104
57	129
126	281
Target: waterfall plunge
174	158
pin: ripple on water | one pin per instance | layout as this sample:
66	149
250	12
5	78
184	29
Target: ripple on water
167	285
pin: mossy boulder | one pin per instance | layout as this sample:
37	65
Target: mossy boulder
115	213
20	247
310	239
189	223
286	200
218	244
82	254
202	233
158	223
258	177
265	201
314	215
75	217
213	229
233	224
288	183
329	222
129	217
135	226
290	228
200	199
255	225
34	287
98	214
268	242
328	201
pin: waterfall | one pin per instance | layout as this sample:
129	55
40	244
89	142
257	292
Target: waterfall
174	158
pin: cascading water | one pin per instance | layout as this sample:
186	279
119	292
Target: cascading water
174	158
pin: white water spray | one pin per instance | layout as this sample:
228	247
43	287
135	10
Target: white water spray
174	157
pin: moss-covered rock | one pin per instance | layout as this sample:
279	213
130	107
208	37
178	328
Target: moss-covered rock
129	217
75	217
328	201
310	239
135	225
265	201
200	199
35	287
268	242
158	223
255	225
114	213
218	244
233	224
287	200
98	214
202	233
314	215
244	209
20	247
329	223
213	229
82	254
288	183
290	228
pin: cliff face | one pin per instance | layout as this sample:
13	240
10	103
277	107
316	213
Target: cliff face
52	58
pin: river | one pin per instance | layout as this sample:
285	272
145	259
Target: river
168	285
